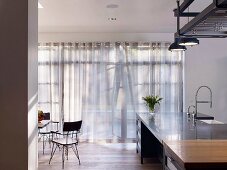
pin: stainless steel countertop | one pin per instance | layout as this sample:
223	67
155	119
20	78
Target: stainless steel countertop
177	126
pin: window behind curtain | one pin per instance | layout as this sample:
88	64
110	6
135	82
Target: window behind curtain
103	84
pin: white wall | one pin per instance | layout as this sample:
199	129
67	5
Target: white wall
206	64
113	37
32	84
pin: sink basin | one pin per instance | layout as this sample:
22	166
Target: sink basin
211	121
201	116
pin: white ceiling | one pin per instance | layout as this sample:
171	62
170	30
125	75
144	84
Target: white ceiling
133	16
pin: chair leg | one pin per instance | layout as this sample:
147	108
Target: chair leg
63	157
56	136
76	152
39	137
43	144
52	152
49	140
67	152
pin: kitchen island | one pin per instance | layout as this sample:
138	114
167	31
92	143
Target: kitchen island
196	154
154	133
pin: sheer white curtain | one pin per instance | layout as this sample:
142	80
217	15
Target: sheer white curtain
50	71
103	84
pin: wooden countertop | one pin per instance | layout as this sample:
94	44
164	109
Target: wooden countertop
204	154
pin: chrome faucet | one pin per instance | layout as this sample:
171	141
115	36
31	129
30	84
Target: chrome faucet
197	101
189	110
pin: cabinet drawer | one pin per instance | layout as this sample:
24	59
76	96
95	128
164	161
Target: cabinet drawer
138	147
138	123
138	126
138	135
138	129
170	162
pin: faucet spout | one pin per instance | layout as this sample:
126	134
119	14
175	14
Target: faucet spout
197	101
190	108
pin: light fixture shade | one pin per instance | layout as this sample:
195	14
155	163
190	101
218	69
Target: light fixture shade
188	41
176	47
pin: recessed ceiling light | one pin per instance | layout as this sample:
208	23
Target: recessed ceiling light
112	19
40	6
112	6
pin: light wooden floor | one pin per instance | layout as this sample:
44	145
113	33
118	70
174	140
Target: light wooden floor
100	156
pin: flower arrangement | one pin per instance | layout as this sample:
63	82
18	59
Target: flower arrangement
151	101
40	115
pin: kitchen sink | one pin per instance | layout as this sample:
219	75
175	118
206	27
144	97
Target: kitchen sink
201	116
211	121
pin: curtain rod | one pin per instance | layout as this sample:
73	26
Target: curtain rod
127	43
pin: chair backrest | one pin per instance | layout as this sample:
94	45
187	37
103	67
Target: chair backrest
46	116
72	126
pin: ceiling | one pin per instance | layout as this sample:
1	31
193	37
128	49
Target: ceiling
132	16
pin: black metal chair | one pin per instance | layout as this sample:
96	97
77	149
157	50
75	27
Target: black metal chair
69	140
47	132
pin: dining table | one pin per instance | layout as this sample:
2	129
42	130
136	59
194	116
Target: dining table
43	123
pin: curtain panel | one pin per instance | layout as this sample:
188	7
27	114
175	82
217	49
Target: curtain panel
103	84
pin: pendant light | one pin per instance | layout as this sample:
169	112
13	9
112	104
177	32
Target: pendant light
188	41
180	42
175	46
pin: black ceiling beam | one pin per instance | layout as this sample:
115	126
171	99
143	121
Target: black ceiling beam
221	3
216	9
185	5
195	21
207	35
185	14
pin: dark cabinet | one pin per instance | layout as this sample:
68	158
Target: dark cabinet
147	144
